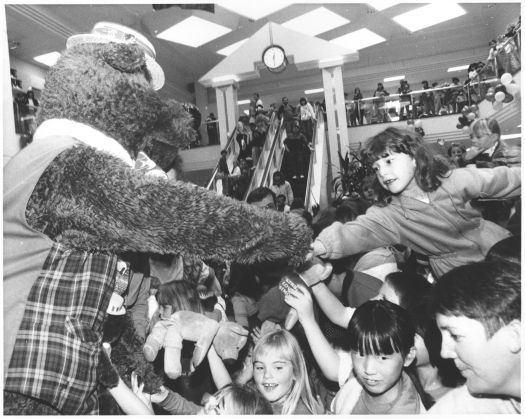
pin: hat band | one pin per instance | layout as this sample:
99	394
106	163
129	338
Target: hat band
122	36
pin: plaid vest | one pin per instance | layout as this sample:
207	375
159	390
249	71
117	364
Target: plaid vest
55	298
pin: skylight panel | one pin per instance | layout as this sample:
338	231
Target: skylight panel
316	21
193	32
359	39
253	9
429	15
230	48
48	59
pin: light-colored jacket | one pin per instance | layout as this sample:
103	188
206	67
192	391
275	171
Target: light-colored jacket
447	229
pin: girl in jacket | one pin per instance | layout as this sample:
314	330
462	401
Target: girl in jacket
423	205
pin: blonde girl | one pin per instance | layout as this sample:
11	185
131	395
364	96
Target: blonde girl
280	375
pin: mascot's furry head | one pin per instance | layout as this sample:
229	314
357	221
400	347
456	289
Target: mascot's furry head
74	201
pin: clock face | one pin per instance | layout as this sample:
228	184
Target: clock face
274	58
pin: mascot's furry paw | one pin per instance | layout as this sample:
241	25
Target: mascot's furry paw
18	404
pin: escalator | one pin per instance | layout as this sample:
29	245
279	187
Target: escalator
232	151
275	158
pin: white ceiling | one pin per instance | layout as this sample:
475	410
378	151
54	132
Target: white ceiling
44	28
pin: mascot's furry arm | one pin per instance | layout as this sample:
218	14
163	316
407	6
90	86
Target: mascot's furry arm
93	201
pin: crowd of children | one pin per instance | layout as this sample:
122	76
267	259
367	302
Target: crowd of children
413	306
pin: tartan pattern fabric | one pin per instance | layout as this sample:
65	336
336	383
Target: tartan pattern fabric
57	346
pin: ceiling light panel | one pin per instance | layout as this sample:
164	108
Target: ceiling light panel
193	32
359	39
253	9
48	59
230	48
316	21
312	91
393	78
458	68
429	15
382	4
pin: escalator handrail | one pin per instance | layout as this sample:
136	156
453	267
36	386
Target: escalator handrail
319	114
276	140
252	185
215	171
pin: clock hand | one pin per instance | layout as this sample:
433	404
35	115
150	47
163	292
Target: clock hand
274	58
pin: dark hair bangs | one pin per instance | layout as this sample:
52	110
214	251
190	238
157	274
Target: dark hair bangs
374	342
379	327
380	148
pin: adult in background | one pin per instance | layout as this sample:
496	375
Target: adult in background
296	148
306	118
478	311
287	113
281	186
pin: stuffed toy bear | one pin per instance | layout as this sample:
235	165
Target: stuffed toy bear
228	338
73	201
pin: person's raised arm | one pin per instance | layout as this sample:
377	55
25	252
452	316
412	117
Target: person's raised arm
219	373
324	354
336	312
314	277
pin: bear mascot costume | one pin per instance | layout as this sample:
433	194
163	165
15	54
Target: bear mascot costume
73	201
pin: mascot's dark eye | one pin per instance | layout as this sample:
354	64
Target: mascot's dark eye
127	58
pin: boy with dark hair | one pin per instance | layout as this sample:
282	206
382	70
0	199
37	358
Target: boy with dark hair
478	311
263	198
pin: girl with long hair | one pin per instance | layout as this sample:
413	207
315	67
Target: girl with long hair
423	205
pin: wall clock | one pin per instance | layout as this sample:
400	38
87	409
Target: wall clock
274	58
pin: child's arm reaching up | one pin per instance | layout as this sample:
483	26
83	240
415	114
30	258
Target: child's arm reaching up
220	374
314	276
324	354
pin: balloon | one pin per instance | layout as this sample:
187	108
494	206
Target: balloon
466	128
508	98
500	88
490	97
471	116
513	88
465	110
506	78
497	106
474	108
417	123
459	126
499	96
491	90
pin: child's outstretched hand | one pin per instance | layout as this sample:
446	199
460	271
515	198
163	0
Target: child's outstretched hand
314	271
300	299
138	390
317	248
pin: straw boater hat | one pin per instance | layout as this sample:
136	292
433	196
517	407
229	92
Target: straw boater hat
104	32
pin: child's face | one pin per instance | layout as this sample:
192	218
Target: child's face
273	375
456	153
395	171
483	140
368	193
378	374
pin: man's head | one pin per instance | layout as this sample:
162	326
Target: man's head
478	310
285	100
263	198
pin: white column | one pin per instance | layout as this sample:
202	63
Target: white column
335	113
201	100
232	109
221	116
227	109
